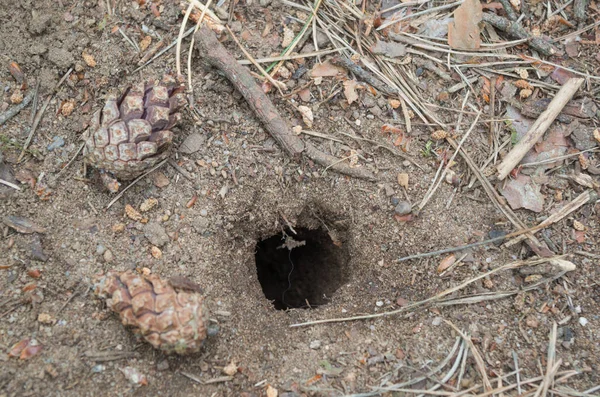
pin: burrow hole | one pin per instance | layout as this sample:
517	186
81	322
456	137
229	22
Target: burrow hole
302	269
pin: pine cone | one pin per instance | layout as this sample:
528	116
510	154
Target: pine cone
171	320
132	133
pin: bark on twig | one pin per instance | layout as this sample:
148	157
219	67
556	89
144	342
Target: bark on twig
510	11
580	10
540	126
518	31
12	112
362	74
213	52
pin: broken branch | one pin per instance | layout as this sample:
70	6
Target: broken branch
517	30
217	56
540	126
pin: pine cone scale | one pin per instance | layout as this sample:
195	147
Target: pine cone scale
172	320
132	133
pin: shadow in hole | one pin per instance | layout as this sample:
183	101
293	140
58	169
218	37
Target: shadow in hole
304	277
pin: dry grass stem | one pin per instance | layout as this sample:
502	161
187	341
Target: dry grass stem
433	299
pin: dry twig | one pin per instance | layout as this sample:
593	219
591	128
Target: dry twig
432	300
540	126
12	112
217	56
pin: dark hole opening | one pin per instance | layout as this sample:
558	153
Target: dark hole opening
305	276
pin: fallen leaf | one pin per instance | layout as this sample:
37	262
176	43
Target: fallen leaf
572	48
390	49
324	69
305	95
16	72
350	91
328	369
22	225
391	129
463	32
521	192
25	349
561	76
17	348
446	263
160	180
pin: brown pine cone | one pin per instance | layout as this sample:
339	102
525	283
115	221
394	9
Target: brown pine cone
171	318
132	133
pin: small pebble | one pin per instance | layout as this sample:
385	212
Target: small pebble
395	201
379	303
57	142
203	212
436	321
315	344
583	321
403	208
162	365
100	249
108	256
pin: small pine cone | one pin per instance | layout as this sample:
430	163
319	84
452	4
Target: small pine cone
171	320
132	133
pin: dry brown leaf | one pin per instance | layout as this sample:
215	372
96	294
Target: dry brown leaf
394	103
324	69
390	49
463	32
446	263
521	192
350	91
